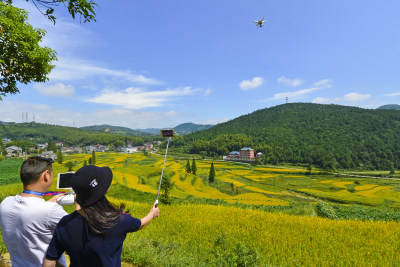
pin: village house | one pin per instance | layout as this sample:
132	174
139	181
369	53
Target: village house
14	151
246	153
129	143
67	150
97	148
148	146
48	155
131	150
234	155
42	146
60	144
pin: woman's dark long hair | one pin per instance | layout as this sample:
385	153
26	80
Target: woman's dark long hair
102	216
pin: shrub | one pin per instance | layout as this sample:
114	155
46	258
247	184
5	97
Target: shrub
326	211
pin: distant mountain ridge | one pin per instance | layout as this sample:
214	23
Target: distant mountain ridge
330	136
181	129
29	133
114	130
186	128
390	106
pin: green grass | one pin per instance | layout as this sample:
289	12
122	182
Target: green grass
9	171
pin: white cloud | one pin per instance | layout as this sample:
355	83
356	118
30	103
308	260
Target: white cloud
75	69
355	97
393	94
254	83
351	97
64	35
212	121
136	98
58	89
295	94
290	82
69	39
12	111
324	82
324	100
208	91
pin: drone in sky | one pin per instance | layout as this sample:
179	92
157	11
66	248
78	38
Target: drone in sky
260	23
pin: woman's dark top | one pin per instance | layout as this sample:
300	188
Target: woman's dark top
86	248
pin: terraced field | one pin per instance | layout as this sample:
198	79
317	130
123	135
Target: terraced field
250	215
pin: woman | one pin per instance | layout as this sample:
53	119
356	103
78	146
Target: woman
93	235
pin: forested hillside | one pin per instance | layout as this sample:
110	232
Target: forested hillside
39	133
115	130
329	136
392	106
186	128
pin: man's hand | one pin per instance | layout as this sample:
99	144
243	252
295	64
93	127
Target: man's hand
54	198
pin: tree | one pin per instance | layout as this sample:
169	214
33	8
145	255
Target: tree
52	147
90	161
82	7
60	157
21	58
194	168
211	175
84	162
166	187
188	170
93	158
70	165
309	169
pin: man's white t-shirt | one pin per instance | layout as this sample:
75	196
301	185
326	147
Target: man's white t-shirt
27	225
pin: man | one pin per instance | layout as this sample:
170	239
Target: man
28	221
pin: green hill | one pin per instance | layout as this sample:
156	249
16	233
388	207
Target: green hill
28	134
181	129
391	106
329	136
186	128
115	130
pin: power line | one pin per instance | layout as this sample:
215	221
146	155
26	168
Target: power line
2	125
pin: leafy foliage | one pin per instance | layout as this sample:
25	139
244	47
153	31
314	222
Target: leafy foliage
194	167
328	136
21	58
166	187
70	136
9	171
211	175
83	8
93	158
188	169
115	130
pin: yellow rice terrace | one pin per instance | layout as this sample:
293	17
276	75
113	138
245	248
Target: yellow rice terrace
251	215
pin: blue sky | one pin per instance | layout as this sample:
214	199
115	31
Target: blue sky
160	63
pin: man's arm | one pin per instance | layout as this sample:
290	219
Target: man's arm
154	212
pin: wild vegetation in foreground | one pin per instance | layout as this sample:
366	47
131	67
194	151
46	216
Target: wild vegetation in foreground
251	215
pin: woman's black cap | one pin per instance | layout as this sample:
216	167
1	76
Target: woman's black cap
90	183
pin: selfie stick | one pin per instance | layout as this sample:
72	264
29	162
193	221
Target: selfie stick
159	186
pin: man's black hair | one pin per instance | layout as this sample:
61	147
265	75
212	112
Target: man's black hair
32	169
